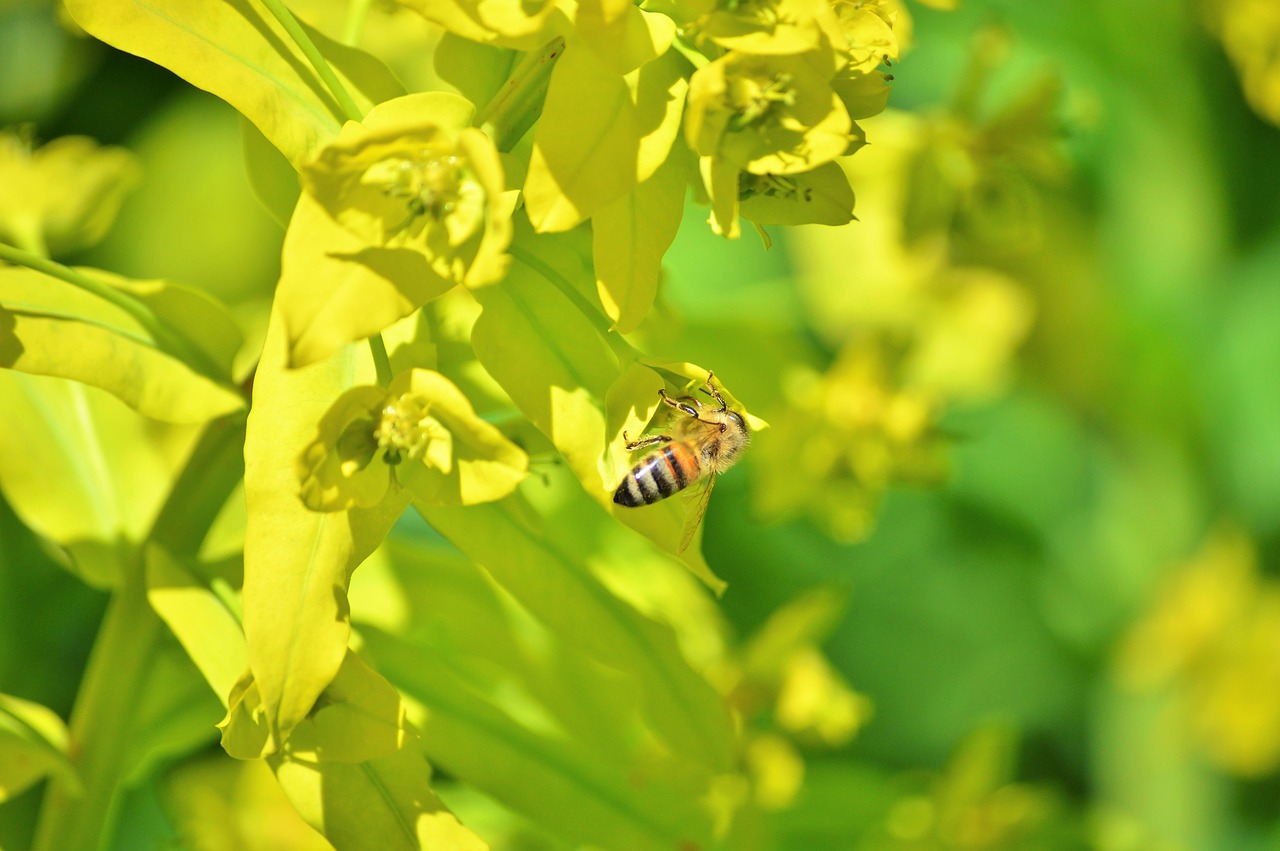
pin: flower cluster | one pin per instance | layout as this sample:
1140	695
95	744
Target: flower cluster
780	99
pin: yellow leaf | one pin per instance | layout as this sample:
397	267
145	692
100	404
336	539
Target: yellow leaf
48	327
298	562
209	632
586	144
385	803
629	238
83	470
239	52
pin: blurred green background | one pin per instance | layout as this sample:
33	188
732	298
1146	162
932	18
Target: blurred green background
1055	524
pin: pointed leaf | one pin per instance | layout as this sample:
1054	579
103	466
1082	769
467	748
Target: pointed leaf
566	785
239	52
385	803
87	472
203	623
679	704
559	369
629	239
298	562
587	143
359	717
48	327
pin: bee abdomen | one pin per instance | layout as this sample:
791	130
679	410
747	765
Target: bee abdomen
660	474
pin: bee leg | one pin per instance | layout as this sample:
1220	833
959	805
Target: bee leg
633	445
680	406
714	393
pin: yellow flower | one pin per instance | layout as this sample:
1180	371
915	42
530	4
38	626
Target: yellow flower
766	115
846	437
63	196
420	434
764	27
409	177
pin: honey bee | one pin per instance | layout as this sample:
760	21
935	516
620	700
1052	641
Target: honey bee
705	443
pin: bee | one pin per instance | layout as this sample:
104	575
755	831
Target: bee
706	442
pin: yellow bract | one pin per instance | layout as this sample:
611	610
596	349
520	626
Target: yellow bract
410	176
420	434
767	115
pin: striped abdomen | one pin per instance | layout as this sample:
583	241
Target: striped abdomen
658	475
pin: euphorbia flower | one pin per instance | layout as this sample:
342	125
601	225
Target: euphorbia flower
409	176
767	115
421	434
61	197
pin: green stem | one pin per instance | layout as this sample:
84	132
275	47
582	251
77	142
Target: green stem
512	111
163	336
381	362
353	26
291	26
104	723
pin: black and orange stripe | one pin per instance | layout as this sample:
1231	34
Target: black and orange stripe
658	475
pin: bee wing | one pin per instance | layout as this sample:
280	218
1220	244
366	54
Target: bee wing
698	498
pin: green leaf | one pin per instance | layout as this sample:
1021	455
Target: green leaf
384	803
553	363
271	177
534	335
629	239
821	197
203	623
85	472
679	705
171	715
601	133
48	327
476	70
622	36
239	52
33	745
358	717
567	784
298	562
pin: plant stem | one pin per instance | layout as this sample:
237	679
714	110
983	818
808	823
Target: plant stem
353	26
163	336
381	362
104	723
518	103
291	26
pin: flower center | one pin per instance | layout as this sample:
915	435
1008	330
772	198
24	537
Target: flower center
431	184
754	97
405	429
